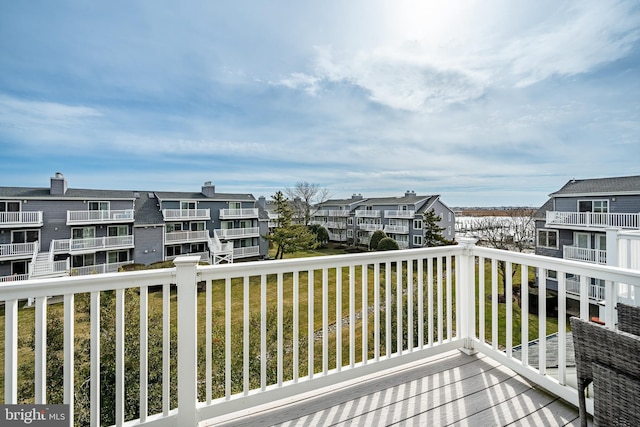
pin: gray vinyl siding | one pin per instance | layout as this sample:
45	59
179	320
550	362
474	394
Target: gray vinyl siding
621	204
149	246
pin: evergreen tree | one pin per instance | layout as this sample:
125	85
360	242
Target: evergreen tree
432	231
287	236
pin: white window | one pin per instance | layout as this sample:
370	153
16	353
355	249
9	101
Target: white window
9	206
417	224
25	236
83	233
235	206
174	250
114	257
196	248
174	226
98	206
83	260
595	206
187	205
118	230
417	240
197	226
548	239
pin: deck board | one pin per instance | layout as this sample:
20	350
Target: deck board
448	389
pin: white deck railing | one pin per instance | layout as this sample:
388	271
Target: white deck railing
23	218
250	333
248	251
238	213
237	233
397	229
576	253
593	219
98	268
399	214
186	236
18	250
186	214
99	216
92	244
368	213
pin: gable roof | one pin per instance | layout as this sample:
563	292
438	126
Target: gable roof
71	193
600	186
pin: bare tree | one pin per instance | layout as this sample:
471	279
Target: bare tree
514	230
306	199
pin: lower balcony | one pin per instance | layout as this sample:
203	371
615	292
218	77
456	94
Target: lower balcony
246	252
368	338
237	233
93	244
98	268
176	237
586	255
18	250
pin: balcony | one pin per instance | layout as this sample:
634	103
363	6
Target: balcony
246	252
281	340
99	217
370	227
590	220
13	251
93	244
98	268
21	219
176	237
396	229
583	254
237	233
336	213
186	214
367	214
238	213
596	292
399	214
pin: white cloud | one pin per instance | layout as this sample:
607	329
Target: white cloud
438	55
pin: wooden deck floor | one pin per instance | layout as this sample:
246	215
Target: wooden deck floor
448	389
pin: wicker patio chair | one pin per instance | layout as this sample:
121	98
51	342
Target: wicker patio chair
618	356
629	319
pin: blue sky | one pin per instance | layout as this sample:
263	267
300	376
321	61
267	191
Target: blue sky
483	102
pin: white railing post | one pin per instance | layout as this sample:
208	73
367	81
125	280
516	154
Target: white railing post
186	282
467	295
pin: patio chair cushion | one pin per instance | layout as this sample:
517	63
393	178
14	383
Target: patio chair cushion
629	319
595	343
615	397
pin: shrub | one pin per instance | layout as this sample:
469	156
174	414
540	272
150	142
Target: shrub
376	237
388	244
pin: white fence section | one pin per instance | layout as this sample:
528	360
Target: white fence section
251	333
12	219
594	219
99	216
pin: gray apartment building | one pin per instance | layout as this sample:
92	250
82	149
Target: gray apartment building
59	230
401	218
584	221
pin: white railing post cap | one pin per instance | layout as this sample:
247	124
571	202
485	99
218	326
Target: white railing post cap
186	260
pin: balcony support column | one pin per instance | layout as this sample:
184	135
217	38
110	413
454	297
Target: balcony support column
467	294
186	280
610	293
